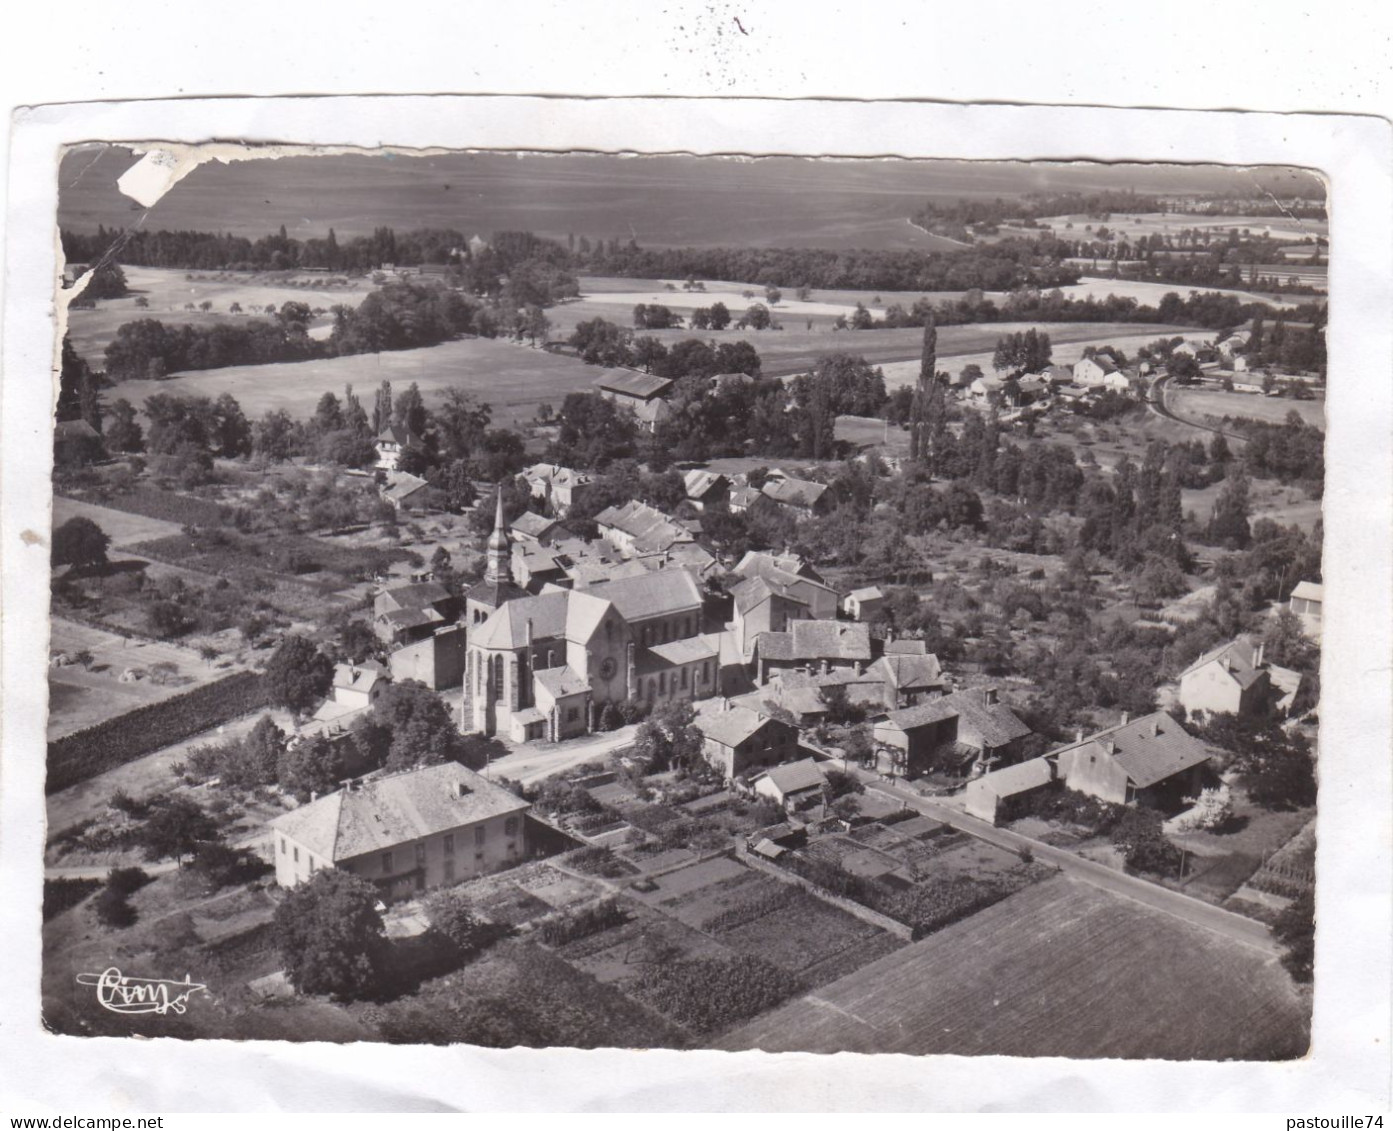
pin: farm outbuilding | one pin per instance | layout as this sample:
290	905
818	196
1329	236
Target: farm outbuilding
996	796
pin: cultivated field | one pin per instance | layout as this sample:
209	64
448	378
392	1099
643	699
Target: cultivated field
1150	294
80	697
1130	226
1199	403
515	379
961	346
122	527
168	291
1061	969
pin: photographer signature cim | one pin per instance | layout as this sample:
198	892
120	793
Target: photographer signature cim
121	993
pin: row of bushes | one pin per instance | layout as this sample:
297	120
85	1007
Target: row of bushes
583	923
152	502
771	901
706	994
116	741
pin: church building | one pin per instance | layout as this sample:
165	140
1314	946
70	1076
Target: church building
543	667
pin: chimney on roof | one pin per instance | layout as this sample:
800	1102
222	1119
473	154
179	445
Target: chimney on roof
1125	717
1078	734
725	703
314	795
1156	728
461	789
1257	654
989	696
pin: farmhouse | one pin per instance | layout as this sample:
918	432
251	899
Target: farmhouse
557	487
1307	602
76	442
637	528
960	733
642	392
437	660
1099	374
358	685
737	740
404	833
909	678
1230	679
804	498
983	388
997	796
1150	760
863	604
795	785
411	611
391	442
706	488
533	528
406	492
813	646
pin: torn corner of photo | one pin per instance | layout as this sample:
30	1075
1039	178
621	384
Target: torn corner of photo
158	171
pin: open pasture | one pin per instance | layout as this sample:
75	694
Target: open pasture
168	291
83	696
1198	404
513	378
1060	969
1132	225
1151	294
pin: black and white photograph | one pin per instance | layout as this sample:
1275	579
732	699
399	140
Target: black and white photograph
577	600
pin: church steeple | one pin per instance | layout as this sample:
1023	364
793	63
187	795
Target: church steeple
498	569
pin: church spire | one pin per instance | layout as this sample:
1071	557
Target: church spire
498	568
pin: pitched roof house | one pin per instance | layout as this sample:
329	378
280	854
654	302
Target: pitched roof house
1308	603
390	442
803	497
411	611
996	796
1228	679
967	731
793	785
705	488
737	740
404	833
557	486
1140	760
530	527
637	528
814	645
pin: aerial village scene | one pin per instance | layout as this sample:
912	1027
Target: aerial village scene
690	603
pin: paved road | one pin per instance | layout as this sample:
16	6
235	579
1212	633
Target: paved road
529	764
1239	928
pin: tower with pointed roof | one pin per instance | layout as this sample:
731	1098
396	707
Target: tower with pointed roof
497	588
498	567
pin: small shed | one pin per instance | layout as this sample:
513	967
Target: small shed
996	796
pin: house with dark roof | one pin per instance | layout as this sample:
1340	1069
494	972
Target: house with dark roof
738	741
636	528
803	498
1231	679
533	528
960	734
1150	760
909	678
642	392
404	833
391	442
813	646
406	492
76	442
412	611
706	488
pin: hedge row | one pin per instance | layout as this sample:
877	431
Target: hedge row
94	750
